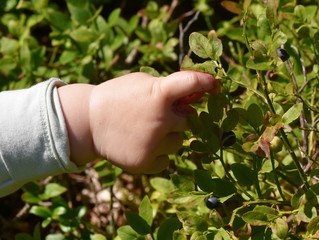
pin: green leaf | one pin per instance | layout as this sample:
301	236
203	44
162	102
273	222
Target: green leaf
306	213
279	39
200	45
206	67
264	28
162	185
258	64
203	179
9	46
298	199
213	143
133	23
158	31
58	211
192	222
30	197
216	105
58	20
292	114
37	232
267	166
244	174
271	13
183	183
280	228
231	120
25	57
7	64
247	4
80	11
198	146
41	211
145	210
55	236
255	115
198	236
39	4
255	218
23	236
68	56
313	226
261	215
84	34
217	186
8	5
114	16
143	34
179	235
223	187
150	70
187	63
137	223
98	237
127	233
260	46
300	13
217	47
271	213
52	190
167	228
78	3
81	211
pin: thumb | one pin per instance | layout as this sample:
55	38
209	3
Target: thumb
184	83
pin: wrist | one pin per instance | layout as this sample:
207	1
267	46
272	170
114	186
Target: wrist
75	102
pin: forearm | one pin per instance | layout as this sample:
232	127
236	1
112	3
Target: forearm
33	136
75	100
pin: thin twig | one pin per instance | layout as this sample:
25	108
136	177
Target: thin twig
172	7
272	159
182	32
306	83
302	117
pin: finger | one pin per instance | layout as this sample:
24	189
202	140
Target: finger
169	144
184	83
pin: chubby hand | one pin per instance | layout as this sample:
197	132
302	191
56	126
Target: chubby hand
135	120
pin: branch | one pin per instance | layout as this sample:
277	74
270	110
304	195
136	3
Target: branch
182	32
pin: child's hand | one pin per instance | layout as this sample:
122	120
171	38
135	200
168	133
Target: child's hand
135	121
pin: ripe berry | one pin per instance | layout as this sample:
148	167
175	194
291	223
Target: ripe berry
228	138
271	75
282	54
212	202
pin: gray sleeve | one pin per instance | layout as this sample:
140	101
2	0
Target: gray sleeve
33	136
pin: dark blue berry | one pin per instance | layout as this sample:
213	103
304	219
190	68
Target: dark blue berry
271	75
282	54
228	138
212	202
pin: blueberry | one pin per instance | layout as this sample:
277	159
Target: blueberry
271	75
228	138
282	54
212	202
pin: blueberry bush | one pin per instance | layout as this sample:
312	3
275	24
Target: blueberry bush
248	168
